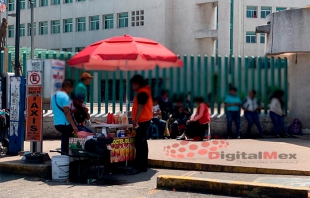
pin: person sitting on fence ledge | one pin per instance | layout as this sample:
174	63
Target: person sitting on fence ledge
181	115
232	104
80	112
198	124
63	121
251	107
277	112
161	124
166	108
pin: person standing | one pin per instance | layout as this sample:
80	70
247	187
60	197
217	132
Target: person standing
251	108
142	113
81	87
232	104
63	121
277	112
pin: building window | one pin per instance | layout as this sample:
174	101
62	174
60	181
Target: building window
80	0
22	30
81	24
34	29
137	18
250	37
262	38
278	9
123	20
34	4
67	1
68	25
43	3
78	49
55	2
108	21
43	27
265	11
11	5
56	27
251	12
11	31
67	49
22	4
94	23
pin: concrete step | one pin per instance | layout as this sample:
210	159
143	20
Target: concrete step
244	185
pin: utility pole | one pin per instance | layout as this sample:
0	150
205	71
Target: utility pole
17	38
32	28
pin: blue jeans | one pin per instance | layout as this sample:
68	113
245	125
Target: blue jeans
252	118
84	128
277	121
233	116
161	125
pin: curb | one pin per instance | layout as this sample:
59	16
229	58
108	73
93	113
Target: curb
223	168
230	188
21	168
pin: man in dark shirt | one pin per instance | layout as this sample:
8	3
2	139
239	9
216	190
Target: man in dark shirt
165	105
142	113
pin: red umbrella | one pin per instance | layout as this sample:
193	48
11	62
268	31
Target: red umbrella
125	53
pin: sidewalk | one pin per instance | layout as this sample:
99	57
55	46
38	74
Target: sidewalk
221	155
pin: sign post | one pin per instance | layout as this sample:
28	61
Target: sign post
34	95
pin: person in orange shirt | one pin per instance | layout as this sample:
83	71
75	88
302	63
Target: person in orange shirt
142	113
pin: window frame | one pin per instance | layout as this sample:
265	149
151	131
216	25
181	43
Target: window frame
43	3
53	26
22	4
70	25
43	31
122	19
262	38
68	1
29	29
249	36
137	18
250	12
265	11
11	5
279	9
22	30
11	31
94	23
108	23
81	26
55	2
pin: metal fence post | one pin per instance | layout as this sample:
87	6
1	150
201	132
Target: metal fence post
106	92
205	79
2	61
279	65
192	81
99	91
219	80
246	76
259	78
114	92
232	67
253	59
239	75
157	81
226	76
285	85
212	84
24	63
272	75
91	94
164	78
198	76
121	90
266	86
185	62
54	55
9	61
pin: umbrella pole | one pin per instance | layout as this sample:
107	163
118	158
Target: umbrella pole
127	90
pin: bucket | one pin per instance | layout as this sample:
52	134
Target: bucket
60	167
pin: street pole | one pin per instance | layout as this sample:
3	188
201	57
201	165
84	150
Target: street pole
32	29
17	39
33	145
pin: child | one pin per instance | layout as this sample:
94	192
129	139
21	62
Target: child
277	112
161	124
232	104
251	107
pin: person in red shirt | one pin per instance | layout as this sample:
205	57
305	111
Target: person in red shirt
142	113
198	124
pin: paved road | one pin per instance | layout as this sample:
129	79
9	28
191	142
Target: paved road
119	186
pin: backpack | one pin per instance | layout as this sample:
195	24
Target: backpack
295	128
80	115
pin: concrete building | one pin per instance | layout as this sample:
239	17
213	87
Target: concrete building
185	26
292	26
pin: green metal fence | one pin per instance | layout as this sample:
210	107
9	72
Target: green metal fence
206	76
